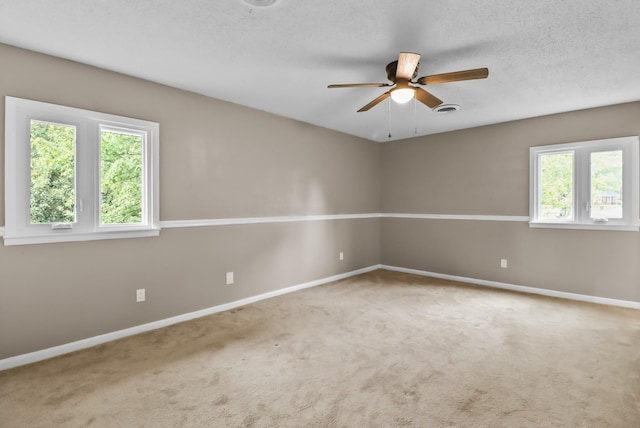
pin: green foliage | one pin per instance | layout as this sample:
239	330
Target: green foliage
606	184
556	185
121	178
606	173
52	173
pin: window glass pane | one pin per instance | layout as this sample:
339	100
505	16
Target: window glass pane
52	185
556	186
120	177
606	185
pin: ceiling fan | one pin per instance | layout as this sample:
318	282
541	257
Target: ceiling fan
403	71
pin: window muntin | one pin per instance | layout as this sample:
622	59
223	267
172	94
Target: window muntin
81	216
590	185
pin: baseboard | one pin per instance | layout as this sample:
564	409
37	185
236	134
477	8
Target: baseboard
55	351
520	288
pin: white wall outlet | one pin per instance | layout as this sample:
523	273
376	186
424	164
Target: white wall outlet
140	295
341	255
229	278
503	263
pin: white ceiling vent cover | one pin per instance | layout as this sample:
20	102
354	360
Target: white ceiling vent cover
447	108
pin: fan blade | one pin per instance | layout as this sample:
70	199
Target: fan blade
376	101
455	76
359	85
407	63
426	98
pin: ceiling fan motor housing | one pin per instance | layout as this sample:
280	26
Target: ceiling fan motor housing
392	67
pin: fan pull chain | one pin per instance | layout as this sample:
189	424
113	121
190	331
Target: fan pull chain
415	115
389	117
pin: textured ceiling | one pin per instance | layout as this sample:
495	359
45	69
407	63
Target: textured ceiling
544	56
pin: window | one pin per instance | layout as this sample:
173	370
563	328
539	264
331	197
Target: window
587	185
77	175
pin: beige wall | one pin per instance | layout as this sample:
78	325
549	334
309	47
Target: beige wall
485	171
218	160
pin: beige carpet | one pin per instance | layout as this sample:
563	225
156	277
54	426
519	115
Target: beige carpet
382	349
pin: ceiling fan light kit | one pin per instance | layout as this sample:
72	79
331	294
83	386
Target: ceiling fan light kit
403	72
402	95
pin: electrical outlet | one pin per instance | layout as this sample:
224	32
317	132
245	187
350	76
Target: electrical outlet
341	255
229	278
140	295
503	263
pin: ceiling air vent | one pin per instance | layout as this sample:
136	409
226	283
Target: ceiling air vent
260	3
447	108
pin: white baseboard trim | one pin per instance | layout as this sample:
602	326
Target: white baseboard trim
521	288
55	351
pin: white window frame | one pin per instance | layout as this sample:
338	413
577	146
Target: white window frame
18	228
582	184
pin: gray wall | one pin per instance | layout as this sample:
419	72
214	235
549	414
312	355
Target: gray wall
218	160
485	171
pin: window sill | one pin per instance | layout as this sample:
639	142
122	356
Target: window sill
610	227
79	237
